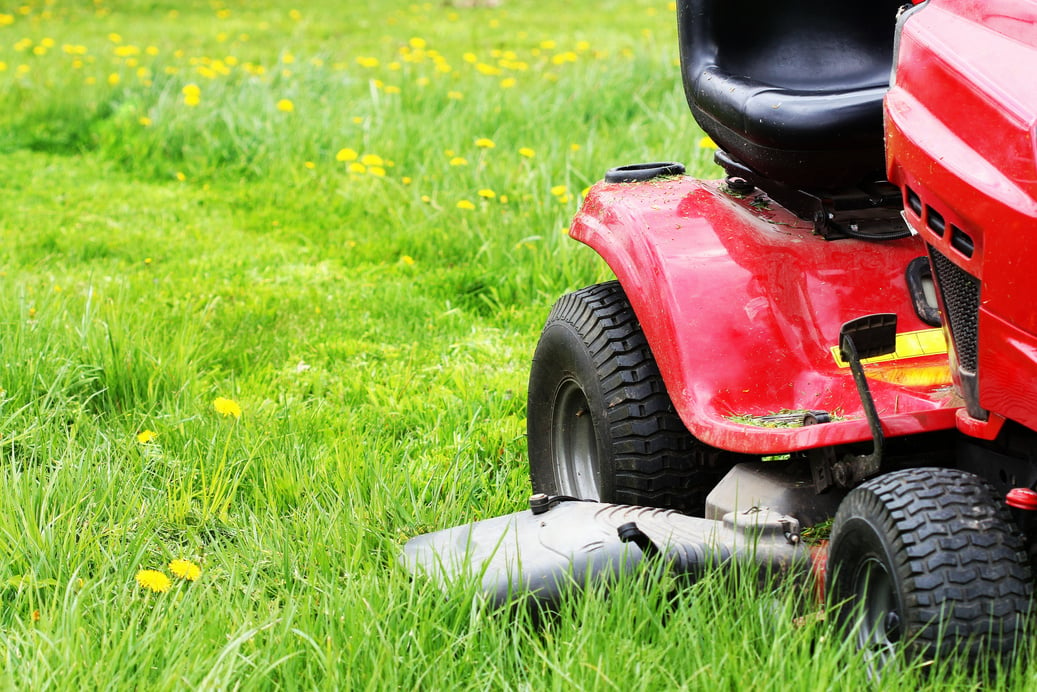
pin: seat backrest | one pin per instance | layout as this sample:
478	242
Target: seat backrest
813	45
793	89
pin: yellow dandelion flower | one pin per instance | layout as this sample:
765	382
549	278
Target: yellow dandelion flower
285	106
707	143
574	147
485	143
294	15
372	160
180	176
114	79
466	205
407	259
309	164
146	436
357	167
406	180
527	152
508	83
153	580
192	94
487	193
185	569
376	171
559	190
458	161
455	95
144	121
418	43
392	89
346	155
226	407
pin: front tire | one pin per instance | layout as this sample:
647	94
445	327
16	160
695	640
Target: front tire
929	560
600	423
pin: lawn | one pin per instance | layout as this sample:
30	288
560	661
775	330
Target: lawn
272	278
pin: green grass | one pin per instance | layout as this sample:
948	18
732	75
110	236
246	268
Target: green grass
157	255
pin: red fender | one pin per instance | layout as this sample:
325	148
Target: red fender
742	305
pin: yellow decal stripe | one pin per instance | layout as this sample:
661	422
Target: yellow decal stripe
927	342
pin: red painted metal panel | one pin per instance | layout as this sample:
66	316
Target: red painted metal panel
961	119
742	303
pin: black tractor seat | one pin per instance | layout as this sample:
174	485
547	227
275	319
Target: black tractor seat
792	90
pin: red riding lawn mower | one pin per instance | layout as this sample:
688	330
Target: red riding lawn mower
842	327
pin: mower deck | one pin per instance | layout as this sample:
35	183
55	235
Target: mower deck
571	543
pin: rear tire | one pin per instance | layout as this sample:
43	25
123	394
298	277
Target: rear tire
929	560
600	423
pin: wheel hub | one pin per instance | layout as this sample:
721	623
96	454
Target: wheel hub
575	444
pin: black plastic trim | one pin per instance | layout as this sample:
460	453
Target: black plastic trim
640	172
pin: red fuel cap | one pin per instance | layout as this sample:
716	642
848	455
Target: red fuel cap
1022	498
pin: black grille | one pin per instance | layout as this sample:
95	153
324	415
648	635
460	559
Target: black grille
960	293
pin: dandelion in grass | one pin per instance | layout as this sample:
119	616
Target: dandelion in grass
527	152
185	569
226	407
153	580
285	106
407	259
455	95
346	154
146	436
458	161
192	94
559	190
485	143
487	193
466	205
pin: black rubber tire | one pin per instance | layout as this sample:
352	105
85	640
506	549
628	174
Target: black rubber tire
928	559
600	423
